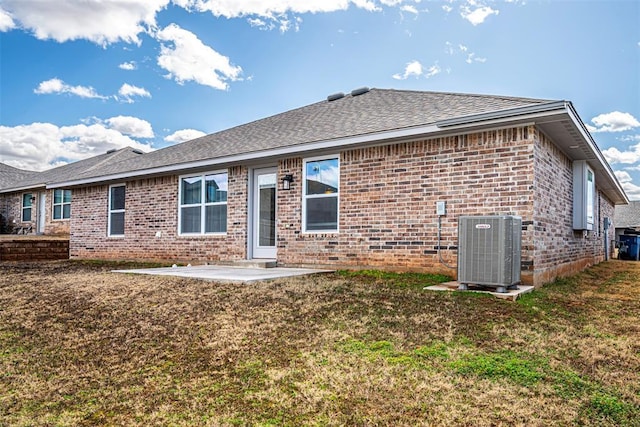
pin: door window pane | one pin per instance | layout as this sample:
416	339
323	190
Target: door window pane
267	210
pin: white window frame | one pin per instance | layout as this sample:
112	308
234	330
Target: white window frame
203	204
112	211
23	207
61	204
306	196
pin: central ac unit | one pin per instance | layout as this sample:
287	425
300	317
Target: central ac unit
489	251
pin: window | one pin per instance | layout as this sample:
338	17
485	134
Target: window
116	210
320	198
203	204
26	207
61	204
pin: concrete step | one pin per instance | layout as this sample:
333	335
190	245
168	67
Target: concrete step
251	263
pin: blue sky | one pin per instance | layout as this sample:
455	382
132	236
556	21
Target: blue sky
80	77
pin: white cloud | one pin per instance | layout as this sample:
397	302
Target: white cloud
447	8
613	122
476	14
6	21
413	68
283	14
39	146
471	58
630	156
57	86
184	135
409	8
129	66
127	92
632	190
188	59
433	70
131	126
100	21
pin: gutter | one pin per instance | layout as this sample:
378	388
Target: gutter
526	114
23	188
594	147
500	116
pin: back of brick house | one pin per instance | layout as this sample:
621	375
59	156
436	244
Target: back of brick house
378	211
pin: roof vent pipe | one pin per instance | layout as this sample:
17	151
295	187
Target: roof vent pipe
359	91
335	96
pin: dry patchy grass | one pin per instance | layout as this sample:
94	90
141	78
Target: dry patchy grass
82	346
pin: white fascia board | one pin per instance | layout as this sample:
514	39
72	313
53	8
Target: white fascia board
594	147
22	189
529	112
331	144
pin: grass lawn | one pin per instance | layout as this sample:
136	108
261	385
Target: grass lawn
82	346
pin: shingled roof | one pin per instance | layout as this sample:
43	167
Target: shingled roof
28	180
627	216
374	111
10	176
376	116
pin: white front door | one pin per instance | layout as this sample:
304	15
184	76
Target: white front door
263	222
42	212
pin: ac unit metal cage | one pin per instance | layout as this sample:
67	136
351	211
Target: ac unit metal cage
489	251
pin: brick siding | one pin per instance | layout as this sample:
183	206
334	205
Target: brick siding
387	207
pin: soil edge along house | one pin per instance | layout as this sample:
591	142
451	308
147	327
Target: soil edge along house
353	181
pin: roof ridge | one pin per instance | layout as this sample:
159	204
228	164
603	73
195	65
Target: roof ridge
468	95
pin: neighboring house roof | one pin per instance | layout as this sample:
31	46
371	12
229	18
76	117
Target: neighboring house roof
66	172
10	176
367	117
627	216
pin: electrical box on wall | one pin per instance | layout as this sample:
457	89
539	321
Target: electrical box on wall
441	208
584	190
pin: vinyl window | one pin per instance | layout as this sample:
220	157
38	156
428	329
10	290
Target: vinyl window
320	195
117	195
203	204
61	204
26	207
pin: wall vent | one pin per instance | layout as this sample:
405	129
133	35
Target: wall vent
489	251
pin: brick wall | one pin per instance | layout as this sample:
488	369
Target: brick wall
151	223
388	198
559	250
35	249
387	204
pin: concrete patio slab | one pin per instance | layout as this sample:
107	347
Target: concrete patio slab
511	294
225	273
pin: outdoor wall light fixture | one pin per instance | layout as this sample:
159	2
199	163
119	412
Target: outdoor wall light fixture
286	182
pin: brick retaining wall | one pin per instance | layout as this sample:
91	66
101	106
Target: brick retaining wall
33	250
